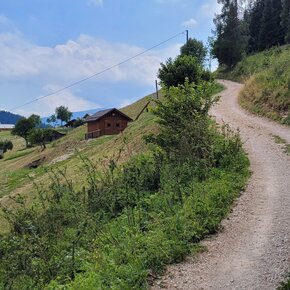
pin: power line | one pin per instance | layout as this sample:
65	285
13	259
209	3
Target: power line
96	74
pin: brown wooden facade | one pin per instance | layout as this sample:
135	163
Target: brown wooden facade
106	122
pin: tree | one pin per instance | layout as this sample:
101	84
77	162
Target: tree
51	120
231	40
271	32
285	20
174	72
194	48
40	136
63	114
255	22
185	124
25	125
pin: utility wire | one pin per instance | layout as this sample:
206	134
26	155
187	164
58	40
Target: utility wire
96	74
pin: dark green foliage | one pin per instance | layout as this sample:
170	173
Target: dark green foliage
6	145
231	41
185	126
264	24
63	114
255	22
285	20
174	72
25	125
271	32
40	136
194	48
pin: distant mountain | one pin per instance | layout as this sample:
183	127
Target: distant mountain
9	118
76	115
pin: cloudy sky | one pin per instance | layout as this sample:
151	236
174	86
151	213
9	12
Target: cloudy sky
49	44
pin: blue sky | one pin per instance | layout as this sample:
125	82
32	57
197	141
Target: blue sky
48	44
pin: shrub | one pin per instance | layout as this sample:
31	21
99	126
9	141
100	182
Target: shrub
174	72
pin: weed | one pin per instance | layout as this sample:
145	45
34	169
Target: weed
282	141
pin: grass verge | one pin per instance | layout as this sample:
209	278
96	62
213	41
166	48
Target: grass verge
267	83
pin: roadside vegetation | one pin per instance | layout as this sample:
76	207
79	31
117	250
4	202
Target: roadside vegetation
267	83
130	220
252	45
121	208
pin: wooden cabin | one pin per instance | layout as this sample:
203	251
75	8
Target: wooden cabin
106	122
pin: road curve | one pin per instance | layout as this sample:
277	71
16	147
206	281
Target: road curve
252	251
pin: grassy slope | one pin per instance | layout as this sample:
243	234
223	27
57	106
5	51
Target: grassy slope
267	83
17	180
217	194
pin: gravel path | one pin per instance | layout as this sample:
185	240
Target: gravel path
252	251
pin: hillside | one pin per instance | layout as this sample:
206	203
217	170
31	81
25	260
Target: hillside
116	205
267	83
15	179
8	118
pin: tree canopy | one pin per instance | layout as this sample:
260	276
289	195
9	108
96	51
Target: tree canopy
25	125
260	25
194	48
39	136
63	114
175	72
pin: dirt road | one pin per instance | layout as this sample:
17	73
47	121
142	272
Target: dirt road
252	251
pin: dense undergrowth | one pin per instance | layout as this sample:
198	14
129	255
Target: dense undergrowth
129	220
267	83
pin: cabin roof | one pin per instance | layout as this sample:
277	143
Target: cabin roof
99	115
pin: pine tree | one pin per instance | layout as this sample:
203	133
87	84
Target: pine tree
285	20
230	42
255	22
271	32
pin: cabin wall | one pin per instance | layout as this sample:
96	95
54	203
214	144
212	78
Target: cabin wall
109	125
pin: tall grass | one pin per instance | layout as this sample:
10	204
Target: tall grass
267	83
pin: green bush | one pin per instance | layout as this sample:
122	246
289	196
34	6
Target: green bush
174	72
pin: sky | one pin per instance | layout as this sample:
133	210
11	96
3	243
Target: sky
46	45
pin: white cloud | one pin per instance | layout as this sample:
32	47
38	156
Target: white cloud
211	8
96	2
77	59
46	106
22	61
190	23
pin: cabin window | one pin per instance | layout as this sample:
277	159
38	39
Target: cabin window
108	124
117	124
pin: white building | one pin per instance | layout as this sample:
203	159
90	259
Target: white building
6	127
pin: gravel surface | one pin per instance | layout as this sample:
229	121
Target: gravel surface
252	251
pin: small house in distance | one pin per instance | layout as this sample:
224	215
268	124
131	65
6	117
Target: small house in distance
106	122
6	127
